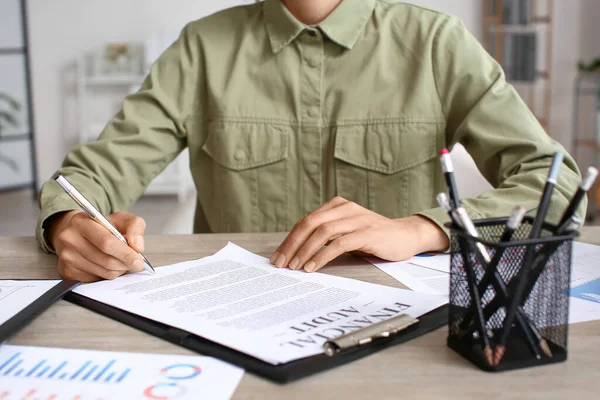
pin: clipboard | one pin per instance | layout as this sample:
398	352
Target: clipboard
29	313
281	373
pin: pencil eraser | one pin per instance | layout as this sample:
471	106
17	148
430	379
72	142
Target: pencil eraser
444	151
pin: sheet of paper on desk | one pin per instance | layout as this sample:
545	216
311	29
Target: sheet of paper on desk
238	299
424	274
415	277
17	295
55	374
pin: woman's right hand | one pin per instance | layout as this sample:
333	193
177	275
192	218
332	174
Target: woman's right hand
88	252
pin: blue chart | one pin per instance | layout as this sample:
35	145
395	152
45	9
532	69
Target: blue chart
87	371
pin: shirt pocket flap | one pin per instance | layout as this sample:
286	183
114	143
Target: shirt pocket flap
240	146
387	148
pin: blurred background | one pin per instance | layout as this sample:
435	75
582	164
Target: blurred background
65	66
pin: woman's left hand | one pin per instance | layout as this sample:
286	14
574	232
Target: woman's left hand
343	226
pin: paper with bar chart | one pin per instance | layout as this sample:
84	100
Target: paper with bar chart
17	295
40	373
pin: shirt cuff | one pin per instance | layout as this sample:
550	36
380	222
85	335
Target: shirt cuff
61	204
440	217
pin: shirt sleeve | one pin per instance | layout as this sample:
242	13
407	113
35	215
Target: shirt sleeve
486	115
137	144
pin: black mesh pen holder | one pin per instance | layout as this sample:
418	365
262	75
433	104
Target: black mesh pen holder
539	332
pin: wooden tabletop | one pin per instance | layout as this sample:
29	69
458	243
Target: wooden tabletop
422	368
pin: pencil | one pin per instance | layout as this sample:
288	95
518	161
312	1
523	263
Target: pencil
521	277
448	169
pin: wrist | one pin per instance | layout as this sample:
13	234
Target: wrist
430	237
55	224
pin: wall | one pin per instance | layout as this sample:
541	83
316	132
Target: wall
590	29
62	29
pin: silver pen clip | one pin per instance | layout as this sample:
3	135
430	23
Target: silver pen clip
366	335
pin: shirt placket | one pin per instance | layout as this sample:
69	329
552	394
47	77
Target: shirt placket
311	118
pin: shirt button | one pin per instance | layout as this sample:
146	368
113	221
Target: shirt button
311	33
313	62
239	155
313	113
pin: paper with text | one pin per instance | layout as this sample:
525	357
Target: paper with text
15	296
238	299
55	374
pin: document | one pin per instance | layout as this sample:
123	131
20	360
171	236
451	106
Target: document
415	277
586	264
37	373
238	299
15	296
429	273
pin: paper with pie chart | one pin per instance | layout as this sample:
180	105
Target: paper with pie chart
41	373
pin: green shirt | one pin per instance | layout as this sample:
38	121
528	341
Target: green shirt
280	117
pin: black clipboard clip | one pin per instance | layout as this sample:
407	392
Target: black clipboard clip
379	330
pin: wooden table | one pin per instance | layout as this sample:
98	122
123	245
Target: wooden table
423	368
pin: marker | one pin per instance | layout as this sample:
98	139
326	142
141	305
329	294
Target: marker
586	184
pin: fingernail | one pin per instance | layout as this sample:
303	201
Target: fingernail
280	261
138	265
138	241
274	257
295	262
310	266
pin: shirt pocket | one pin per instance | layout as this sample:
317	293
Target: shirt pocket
248	169
391	169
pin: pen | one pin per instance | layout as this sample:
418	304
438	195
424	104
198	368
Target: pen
95	214
521	277
586	184
448	169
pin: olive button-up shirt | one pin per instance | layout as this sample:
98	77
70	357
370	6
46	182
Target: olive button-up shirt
280	117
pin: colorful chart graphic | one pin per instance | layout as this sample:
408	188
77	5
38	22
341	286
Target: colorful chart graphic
181	371
164	391
589	291
18	367
426	255
34	394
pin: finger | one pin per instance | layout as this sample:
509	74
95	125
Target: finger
75	265
132	226
95	256
335	202
324	234
339	246
307	226
73	274
101	238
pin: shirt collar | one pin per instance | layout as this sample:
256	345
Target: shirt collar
343	26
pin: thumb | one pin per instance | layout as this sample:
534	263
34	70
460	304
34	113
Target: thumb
132	227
